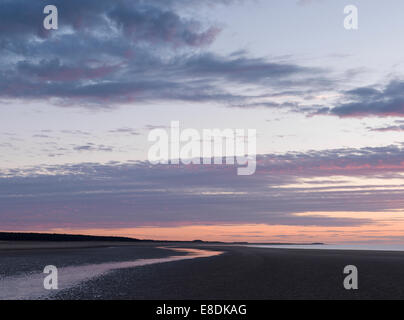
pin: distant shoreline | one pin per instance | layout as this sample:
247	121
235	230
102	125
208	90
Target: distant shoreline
55	237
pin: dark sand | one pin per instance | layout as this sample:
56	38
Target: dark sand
240	273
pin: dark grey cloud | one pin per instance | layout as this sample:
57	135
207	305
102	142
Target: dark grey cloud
140	20
242	69
116	52
371	101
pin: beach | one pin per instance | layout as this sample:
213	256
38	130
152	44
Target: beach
221	272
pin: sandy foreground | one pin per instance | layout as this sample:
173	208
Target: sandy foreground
236	273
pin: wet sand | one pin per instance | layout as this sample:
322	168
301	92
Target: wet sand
34	258
29	286
239	273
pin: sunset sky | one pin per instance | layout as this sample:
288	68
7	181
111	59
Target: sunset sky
77	104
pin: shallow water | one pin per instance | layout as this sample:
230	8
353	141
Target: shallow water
30	286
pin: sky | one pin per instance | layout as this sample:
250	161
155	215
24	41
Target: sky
327	103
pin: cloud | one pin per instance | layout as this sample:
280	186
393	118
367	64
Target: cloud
117	52
41	136
138	194
93	147
76	132
369	101
125	130
53	70
397	127
139	20
347	161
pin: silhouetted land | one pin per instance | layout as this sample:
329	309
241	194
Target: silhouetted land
18	236
10	236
